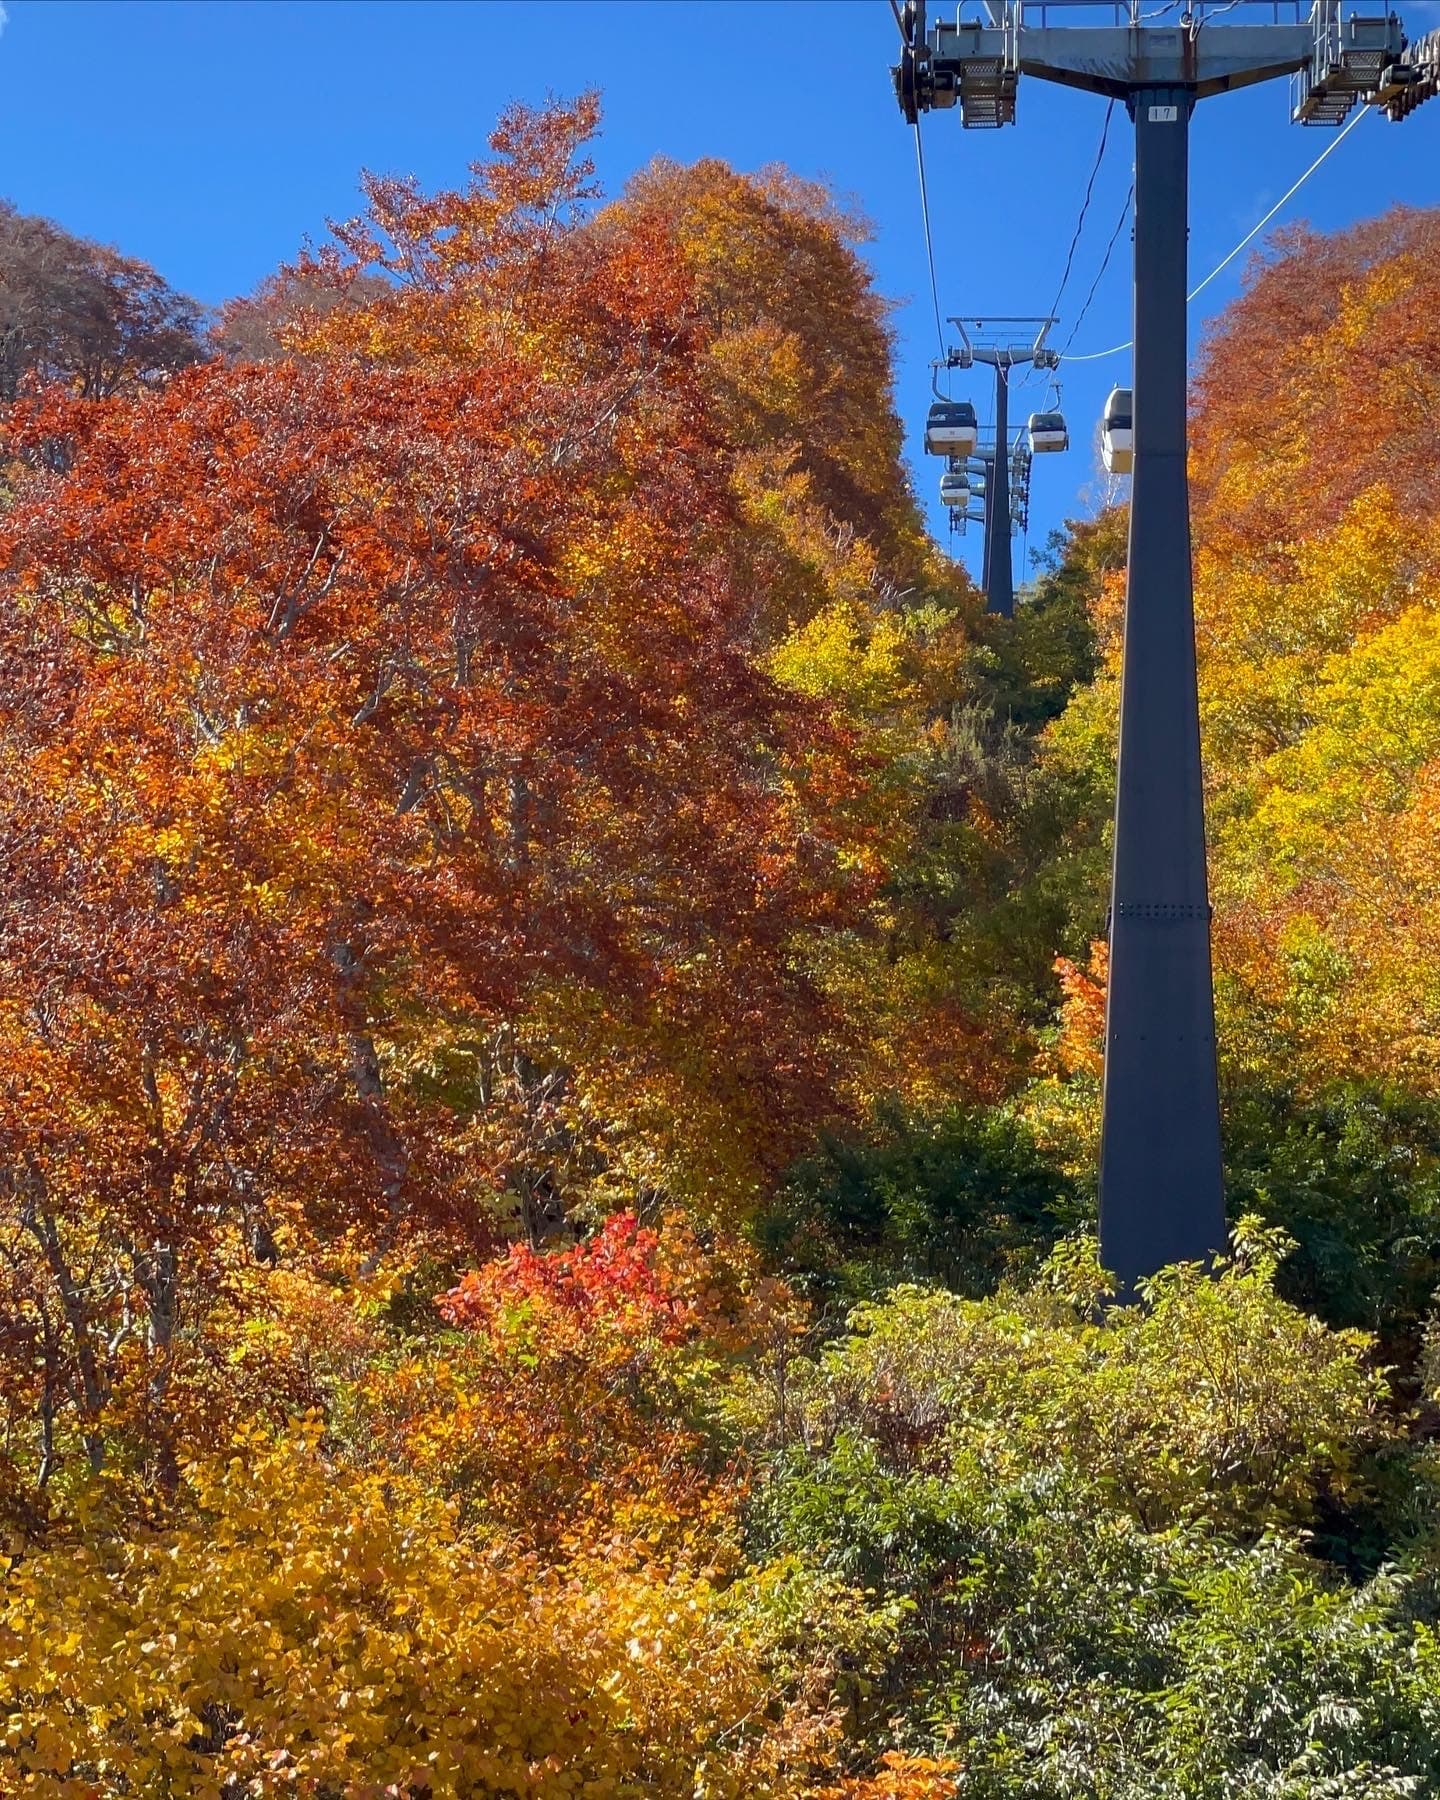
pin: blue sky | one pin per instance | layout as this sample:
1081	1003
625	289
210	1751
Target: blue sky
210	136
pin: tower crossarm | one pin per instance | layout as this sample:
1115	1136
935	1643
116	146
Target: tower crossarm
1336	58
1113	60
1106	60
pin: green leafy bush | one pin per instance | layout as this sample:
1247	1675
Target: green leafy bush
1215	1400
1354	1176
1090	1530
963	1197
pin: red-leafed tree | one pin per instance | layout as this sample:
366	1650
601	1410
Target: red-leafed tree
383	748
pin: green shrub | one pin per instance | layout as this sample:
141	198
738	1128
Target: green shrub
962	1197
1353	1176
1215	1400
1089	1531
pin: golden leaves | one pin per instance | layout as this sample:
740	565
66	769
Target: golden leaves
317	1625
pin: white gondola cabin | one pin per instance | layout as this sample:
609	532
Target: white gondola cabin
1117	433
955	489
951	428
1048	431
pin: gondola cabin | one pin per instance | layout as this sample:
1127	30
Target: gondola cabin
955	489
1117	433
1047	431
951	428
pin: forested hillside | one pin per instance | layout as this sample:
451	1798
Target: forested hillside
551	987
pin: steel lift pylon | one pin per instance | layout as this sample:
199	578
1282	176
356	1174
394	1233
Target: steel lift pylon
1002	344
1161	1192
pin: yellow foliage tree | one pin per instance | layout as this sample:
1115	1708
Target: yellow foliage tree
310	1630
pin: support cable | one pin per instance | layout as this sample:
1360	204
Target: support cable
1249	237
924	197
1205	18
1253	234
1100	272
929	239
1075	235
1084	208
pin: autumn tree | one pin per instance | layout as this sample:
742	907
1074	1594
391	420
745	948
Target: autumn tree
80	313
1319	573
798	359
254	328
386	756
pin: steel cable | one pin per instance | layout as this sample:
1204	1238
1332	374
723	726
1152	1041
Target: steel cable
1249	237
1084	209
929	240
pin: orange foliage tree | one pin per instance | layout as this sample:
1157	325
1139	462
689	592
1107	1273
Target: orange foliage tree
391	784
853	605
1317	504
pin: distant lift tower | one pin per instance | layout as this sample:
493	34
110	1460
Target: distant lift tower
1161	1197
1003	345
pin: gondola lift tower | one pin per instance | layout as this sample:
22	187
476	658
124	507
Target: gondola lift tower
1161	1194
1002	470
